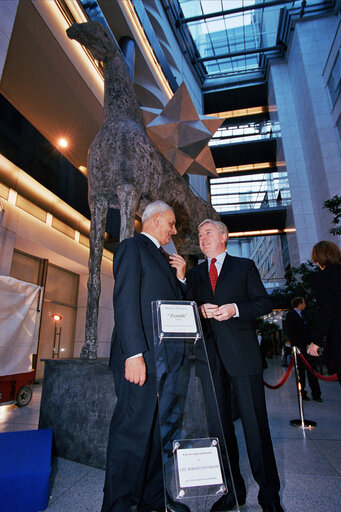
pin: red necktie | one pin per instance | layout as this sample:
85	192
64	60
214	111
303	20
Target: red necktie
213	273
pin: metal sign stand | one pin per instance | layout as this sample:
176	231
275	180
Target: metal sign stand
301	423
196	468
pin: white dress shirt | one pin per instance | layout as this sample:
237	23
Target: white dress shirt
219	263
152	238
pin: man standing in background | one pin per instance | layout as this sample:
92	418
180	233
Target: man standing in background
298	335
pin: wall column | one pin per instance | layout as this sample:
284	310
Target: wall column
8	10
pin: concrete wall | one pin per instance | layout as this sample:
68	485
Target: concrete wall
336	108
310	138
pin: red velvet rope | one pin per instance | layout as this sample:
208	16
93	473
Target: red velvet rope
284	378
314	372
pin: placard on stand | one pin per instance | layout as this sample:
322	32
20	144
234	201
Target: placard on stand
194	455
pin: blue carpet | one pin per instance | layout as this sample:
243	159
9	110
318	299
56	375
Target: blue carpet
25	466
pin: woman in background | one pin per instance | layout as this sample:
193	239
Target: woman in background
326	285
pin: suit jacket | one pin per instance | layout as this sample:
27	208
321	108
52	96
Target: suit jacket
297	330
326	285
235	339
142	275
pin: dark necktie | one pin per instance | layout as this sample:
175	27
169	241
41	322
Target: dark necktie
213	273
164	254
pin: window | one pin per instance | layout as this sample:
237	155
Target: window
338	125
334	80
26	267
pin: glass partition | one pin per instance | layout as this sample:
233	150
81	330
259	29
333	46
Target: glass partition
195	462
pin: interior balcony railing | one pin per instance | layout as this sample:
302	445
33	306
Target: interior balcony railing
258	191
247	132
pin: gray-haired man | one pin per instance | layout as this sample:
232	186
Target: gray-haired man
142	275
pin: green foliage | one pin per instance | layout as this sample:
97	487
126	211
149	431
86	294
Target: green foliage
266	328
297	285
334	206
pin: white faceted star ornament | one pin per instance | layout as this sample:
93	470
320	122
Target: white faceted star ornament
181	135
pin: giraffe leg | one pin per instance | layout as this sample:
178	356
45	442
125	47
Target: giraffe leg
128	198
98	208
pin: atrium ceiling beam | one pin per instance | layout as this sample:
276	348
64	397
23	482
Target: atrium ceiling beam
236	10
241	52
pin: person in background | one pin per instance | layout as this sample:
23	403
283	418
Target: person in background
298	334
326	286
286	352
262	348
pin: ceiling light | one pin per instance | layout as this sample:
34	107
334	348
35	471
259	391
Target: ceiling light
250	167
245	111
62	143
83	169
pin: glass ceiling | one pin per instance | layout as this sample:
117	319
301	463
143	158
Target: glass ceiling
232	37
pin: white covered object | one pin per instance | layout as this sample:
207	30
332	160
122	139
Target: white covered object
19	319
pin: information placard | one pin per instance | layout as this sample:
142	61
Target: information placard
177	318
199	466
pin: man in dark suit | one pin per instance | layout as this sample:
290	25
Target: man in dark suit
142	275
298	335
230	295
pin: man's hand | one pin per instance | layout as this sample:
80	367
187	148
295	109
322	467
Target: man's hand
176	261
207	310
312	349
135	370
225	312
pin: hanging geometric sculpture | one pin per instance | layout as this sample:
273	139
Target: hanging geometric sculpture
181	135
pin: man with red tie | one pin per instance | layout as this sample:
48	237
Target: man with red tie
230	295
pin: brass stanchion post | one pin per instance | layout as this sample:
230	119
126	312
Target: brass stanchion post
301	423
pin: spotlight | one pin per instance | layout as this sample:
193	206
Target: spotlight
56	317
63	143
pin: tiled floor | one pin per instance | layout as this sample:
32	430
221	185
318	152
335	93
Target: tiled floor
309	462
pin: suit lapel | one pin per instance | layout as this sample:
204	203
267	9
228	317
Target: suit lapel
161	260
203	267
225	270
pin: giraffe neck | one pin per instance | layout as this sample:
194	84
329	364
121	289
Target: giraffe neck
119	96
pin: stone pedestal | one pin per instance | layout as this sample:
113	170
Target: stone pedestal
78	400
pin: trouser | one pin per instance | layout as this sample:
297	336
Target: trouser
249	391
313	381
134	467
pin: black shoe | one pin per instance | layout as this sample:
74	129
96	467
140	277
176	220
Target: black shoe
319	399
305	397
227	502
275	507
